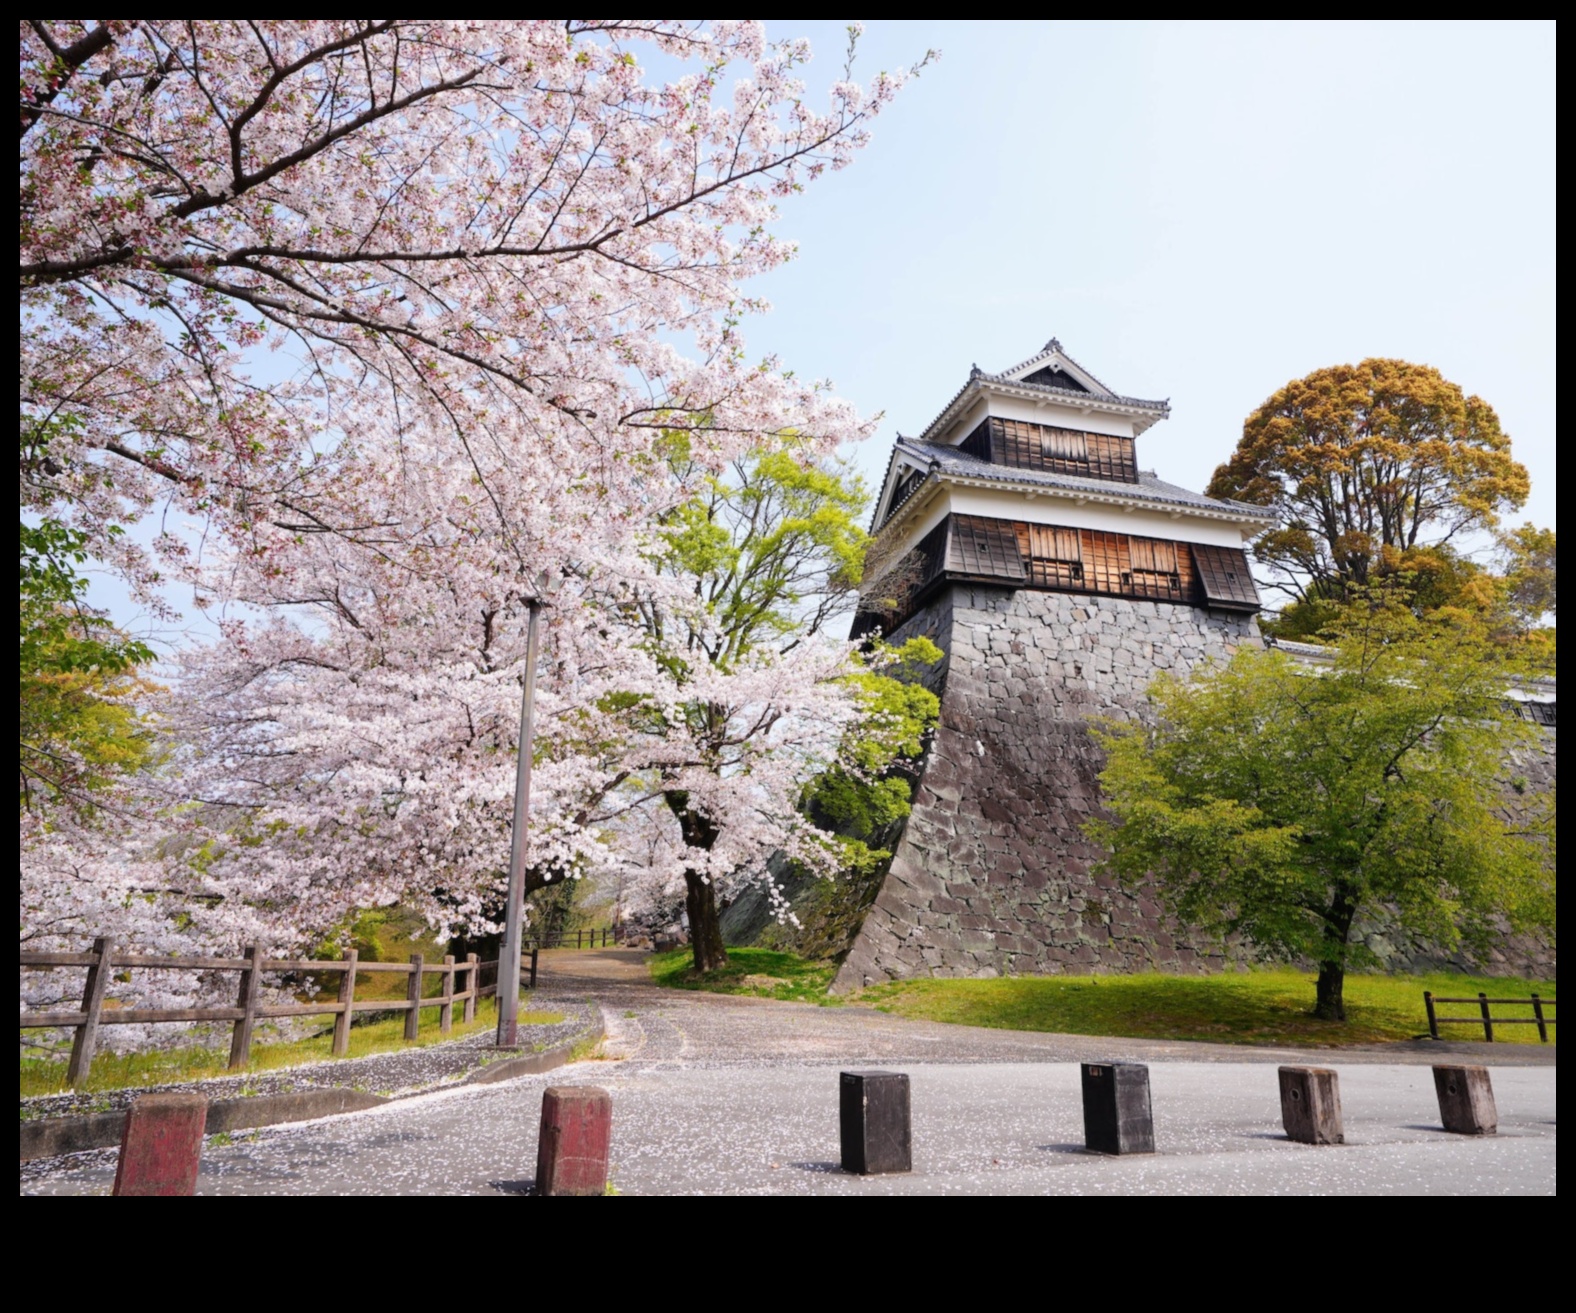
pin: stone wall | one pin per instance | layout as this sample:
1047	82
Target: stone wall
992	874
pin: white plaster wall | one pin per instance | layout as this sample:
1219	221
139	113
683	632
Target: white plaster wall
1064	510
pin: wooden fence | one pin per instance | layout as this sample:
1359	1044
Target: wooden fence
576	938
1486	1019
104	961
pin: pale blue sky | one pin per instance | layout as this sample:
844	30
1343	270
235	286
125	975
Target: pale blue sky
1197	211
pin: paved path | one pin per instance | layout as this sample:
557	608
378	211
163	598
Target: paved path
693	1028
714	1094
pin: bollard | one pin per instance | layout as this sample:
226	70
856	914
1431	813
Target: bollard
161	1146
1311	1105
1117	1113
571	1152
1466	1100
873	1122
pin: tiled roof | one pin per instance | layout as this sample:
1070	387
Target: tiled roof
951	460
977	376
1076	393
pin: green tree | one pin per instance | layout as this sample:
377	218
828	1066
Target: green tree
769	554
79	728
870	787
1357	459
1527	556
1283	800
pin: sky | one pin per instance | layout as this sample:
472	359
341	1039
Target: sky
1197	211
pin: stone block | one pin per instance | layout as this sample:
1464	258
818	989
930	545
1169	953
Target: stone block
1466	1100
161	1146
572	1147
874	1123
1311	1105
1118	1118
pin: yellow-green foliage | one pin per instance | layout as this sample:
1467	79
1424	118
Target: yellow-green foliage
773	548
896	712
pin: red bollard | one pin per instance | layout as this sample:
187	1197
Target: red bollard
161	1147
571	1153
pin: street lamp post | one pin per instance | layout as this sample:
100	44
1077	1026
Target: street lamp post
514	916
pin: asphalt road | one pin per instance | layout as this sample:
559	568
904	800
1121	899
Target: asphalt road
714	1095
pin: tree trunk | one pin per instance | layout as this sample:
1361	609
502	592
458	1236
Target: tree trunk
1329	1000
700	895
700	900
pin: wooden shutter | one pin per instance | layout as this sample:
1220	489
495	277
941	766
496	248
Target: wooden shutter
1224	574
986	549
1054	557
1105	561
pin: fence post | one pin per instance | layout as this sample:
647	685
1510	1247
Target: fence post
92	1003
446	1012
413	994
1537	1012
533	968
473	975
1488	1021
246	1000
1433	1021
347	1000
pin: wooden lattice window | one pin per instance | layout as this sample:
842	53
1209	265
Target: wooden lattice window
1065	446
1054	557
1027	446
1225	576
1153	569
985	548
1107	568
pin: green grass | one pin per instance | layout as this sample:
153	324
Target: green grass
115	1071
758	972
1258	1007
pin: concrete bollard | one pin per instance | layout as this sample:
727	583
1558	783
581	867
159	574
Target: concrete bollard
1466	1100
873	1122
1311	1105
571	1151
161	1146
1117	1113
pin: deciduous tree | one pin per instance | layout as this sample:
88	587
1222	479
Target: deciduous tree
1283	801
1358	459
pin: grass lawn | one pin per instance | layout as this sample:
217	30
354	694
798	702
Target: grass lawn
1258	1007
755	971
114	1071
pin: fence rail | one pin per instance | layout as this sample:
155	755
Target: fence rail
103	962
1486	1019
576	938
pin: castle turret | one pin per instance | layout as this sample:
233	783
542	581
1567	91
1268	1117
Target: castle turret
1030	478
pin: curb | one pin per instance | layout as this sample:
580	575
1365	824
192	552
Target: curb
51	1136
535	1063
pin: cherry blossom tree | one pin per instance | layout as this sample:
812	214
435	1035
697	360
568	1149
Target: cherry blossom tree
398	316
251	250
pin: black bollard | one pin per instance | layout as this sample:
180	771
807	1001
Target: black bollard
873	1118
1466	1100
1117	1113
1311	1105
